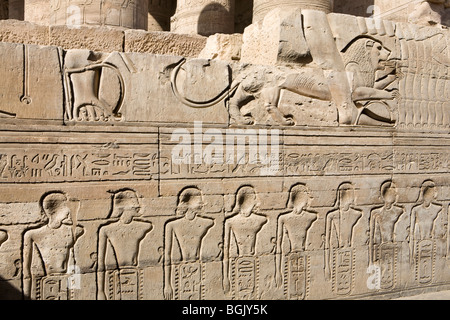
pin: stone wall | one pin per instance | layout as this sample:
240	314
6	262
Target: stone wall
154	165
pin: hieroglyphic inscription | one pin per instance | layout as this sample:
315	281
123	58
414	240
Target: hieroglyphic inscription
69	165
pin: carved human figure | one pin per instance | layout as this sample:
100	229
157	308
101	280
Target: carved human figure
424	215
294	227
54	244
296	223
123	235
366	60
242	228
383	249
384	219
340	223
188	231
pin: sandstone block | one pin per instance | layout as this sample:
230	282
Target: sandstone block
23	32
223	47
164	43
93	38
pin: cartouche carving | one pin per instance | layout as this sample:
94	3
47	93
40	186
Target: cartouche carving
183	279
123	235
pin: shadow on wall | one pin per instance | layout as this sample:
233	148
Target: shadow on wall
12	9
213	19
358	8
160	13
9	292
243	15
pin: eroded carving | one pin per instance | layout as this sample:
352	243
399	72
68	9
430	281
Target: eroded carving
339	252
84	72
183	276
383	249
367	67
422	232
294	226
53	245
122	236
240	261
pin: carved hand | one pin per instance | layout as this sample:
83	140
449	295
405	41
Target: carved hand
278	279
226	285
168	292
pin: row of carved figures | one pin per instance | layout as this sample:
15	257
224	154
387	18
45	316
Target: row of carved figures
54	242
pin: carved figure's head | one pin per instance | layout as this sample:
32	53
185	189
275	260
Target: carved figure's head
190	203
246	201
346	196
54	206
389	193
125	205
299	198
369	53
428	192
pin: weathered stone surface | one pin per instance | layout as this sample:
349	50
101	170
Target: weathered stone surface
262	7
93	38
33	85
23	32
272	40
164	43
223	47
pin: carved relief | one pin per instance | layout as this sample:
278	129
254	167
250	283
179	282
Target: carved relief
3	237
85	73
424	65
373	75
106	122
122	236
339	252
32	87
183	278
51	244
240	262
422	237
367	67
294	226
383	249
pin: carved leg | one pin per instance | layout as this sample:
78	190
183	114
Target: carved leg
239	99
271	98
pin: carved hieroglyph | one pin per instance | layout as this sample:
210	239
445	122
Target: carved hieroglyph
307	158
